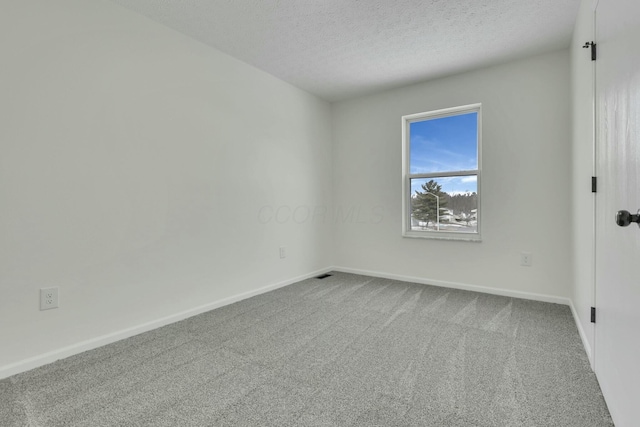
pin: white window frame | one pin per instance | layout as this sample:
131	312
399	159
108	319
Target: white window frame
407	175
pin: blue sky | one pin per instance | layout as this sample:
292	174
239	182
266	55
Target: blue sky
442	145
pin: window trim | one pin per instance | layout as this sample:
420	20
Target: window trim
407	176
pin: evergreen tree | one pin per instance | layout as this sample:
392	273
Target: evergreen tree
463	204
424	204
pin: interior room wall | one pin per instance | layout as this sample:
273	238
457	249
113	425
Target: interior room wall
144	174
582	212
526	181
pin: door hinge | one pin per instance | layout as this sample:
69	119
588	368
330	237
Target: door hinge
594	184
593	315
591	45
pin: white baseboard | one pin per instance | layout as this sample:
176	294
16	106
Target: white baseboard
52	356
583	335
463	286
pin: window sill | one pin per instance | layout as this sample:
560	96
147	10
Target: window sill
464	237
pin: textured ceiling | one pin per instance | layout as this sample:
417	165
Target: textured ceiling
339	49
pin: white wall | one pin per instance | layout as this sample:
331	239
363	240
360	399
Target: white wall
134	165
582	75
526	193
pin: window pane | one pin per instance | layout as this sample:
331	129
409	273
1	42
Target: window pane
444	144
445	204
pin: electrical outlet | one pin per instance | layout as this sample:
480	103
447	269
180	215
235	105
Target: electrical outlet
48	298
526	259
283	252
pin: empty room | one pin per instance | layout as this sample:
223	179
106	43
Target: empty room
319	213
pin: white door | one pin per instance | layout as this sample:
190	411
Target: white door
617	341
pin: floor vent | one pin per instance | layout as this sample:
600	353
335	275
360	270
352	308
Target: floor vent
323	276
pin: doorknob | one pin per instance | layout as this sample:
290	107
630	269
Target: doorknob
624	218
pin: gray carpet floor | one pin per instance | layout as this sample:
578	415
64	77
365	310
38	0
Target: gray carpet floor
347	350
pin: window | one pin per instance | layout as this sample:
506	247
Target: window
441	173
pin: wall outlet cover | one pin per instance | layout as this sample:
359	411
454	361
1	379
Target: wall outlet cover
526	259
48	298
